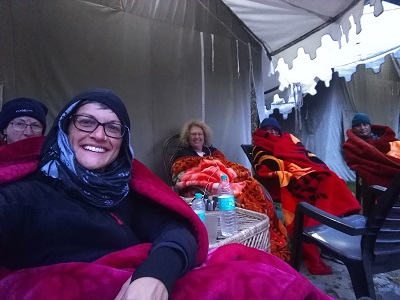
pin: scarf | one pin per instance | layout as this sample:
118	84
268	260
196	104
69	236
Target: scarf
101	189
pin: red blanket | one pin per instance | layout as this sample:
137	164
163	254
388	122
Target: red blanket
302	177
206	172
19	159
370	158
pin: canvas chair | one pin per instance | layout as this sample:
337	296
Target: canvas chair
367	245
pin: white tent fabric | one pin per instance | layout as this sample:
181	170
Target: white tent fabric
283	26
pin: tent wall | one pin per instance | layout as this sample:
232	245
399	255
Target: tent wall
170	61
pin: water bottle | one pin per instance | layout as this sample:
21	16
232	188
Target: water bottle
226	205
199	207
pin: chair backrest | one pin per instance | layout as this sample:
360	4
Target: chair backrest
383	224
248	150
171	147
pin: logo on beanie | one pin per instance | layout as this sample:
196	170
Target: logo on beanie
24	110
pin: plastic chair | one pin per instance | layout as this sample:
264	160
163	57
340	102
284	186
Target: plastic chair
361	189
366	245
269	184
248	150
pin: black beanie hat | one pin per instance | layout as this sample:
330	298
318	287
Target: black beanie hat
20	107
360	118
271	121
106	97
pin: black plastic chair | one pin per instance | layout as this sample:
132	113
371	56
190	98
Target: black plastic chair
248	150
270	184
366	245
361	189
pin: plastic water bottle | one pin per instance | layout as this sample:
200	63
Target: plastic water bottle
199	207
226	205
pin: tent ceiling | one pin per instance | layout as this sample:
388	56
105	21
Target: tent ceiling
283	26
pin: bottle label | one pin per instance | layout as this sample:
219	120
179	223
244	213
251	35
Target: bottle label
202	216
226	202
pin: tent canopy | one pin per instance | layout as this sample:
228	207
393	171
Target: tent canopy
283	26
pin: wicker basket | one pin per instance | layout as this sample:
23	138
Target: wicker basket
253	230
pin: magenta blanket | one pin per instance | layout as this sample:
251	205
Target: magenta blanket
229	272
19	159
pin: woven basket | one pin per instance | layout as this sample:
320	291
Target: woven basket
253	230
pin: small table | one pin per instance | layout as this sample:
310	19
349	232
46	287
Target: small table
253	230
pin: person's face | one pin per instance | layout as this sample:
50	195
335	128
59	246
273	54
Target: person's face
362	130
94	150
21	128
196	138
272	130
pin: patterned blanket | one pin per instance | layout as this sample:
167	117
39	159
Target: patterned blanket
206	172
376	161
302	177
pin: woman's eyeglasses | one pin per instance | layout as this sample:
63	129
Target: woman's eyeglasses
90	124
21	126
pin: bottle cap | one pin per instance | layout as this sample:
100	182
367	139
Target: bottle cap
198	196
224	176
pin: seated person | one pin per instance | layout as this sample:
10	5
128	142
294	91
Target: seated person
302	176
22	124
372	150
201	164
94	217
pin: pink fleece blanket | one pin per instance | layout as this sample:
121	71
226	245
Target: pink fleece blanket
230	272
19	159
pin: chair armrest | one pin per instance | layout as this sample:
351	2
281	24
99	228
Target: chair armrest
377	189
340	224
371	194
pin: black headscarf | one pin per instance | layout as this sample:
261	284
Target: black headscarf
101	189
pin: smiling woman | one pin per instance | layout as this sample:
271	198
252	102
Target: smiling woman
96	144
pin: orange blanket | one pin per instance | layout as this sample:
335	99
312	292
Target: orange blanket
206	172
302	177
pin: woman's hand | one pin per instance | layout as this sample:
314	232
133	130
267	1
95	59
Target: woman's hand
145	288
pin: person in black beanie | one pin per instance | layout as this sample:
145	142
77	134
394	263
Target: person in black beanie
373	151
272	126
22	118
